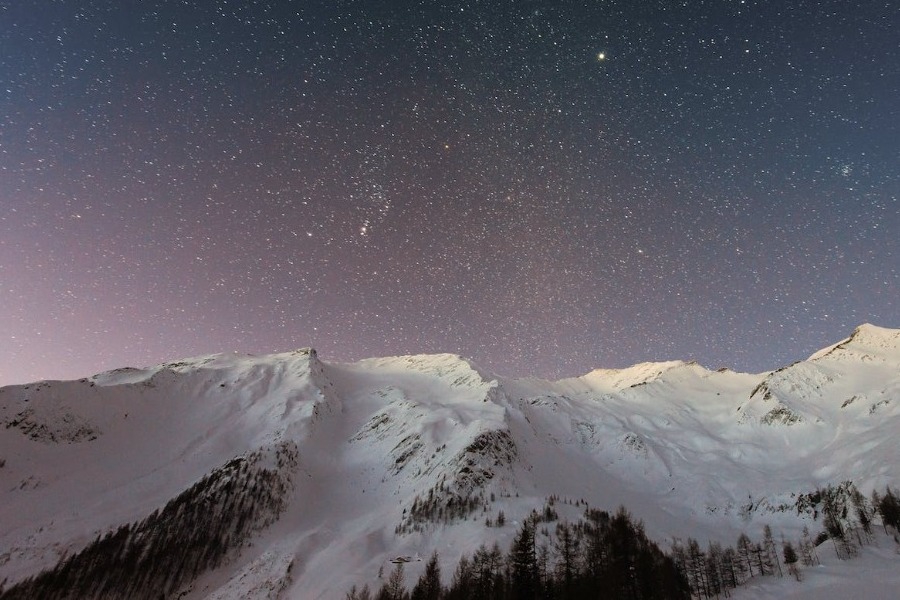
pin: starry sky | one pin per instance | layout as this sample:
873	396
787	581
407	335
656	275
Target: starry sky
545	187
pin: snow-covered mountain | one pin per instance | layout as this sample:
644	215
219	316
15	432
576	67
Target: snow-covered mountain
311	475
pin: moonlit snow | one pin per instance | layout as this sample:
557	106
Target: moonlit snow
691	452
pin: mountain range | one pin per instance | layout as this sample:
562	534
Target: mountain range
297	477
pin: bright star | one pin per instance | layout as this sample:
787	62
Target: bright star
601	56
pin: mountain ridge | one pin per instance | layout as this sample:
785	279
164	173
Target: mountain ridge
410	454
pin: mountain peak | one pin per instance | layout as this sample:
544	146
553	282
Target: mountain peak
610	380
883	335
459	369
867	342
402	455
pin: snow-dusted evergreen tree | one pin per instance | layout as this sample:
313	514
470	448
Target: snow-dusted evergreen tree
835	516
745	557
808	553
771	550
864	513
394	588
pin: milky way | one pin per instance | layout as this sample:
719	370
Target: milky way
546	188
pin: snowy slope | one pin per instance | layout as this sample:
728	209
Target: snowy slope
873	575
404	455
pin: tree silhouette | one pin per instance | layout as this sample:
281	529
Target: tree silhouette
525	581
428	587
790	560
194	532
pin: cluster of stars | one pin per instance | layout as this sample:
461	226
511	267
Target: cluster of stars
546	189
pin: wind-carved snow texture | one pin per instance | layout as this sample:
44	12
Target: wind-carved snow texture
401	456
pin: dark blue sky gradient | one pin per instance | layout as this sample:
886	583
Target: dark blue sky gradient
375	178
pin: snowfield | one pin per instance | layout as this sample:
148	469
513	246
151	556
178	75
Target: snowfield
401	456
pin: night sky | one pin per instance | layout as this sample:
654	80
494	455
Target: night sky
546	188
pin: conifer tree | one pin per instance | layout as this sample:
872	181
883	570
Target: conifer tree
566	547
525	582
632	568
729	568
761	558
486	571
790	560
461	584
771	550
428	587
696	568
745	556
714	569
363	594
394	588
889	507
832	511
808	553
864	511
597	559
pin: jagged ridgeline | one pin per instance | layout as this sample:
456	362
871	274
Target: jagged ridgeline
194	532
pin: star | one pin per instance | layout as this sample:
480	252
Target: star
539	217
